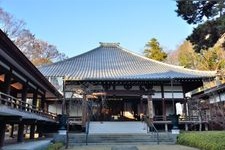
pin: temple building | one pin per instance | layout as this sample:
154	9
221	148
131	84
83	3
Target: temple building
24	93
110	83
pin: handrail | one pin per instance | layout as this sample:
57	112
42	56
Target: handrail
87	130
15	103
152	128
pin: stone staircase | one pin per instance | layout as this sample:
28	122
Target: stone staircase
120	139
122	133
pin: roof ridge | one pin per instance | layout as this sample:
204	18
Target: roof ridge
162	63
109	44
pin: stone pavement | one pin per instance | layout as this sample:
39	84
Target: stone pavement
31	145
42	144
132	147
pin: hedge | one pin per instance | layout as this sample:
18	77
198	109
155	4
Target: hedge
207	140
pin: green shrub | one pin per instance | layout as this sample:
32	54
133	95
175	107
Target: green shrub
210	140
55	146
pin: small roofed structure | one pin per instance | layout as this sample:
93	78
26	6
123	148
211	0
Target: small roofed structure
208	104
24	92
122	85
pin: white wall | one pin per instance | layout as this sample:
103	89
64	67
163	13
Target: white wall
55	108
175	95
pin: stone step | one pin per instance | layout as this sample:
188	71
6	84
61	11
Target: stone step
167	138
129	143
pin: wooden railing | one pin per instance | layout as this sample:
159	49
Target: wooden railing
168	118
75	120
15	103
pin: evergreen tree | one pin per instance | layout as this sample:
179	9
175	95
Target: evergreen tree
154	51
211	19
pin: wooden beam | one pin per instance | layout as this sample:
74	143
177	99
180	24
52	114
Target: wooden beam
128	92
11	119
29	121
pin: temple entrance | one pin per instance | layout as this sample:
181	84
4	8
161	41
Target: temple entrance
117	109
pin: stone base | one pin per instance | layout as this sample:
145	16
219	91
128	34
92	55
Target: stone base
62	132
175	131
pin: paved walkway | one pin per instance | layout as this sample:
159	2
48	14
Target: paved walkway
42	144
32	145
134	147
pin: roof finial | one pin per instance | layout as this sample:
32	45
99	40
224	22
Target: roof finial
105	44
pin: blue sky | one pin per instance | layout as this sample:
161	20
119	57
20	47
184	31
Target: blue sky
76	26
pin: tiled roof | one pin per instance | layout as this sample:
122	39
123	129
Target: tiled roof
109	61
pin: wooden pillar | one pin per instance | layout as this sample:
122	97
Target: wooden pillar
12	130
122	108
164	109
163	103
34	102
84	110
43	103
200	126
166	127
173	102
141	106
189	112
6	84
2	132
186	127
40	130
185	109
150	108
64	97
32	131
20	135
24	94
206	127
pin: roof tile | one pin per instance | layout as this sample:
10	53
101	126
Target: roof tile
110	61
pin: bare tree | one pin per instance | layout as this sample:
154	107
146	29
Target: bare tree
36	50
217	115
11	26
